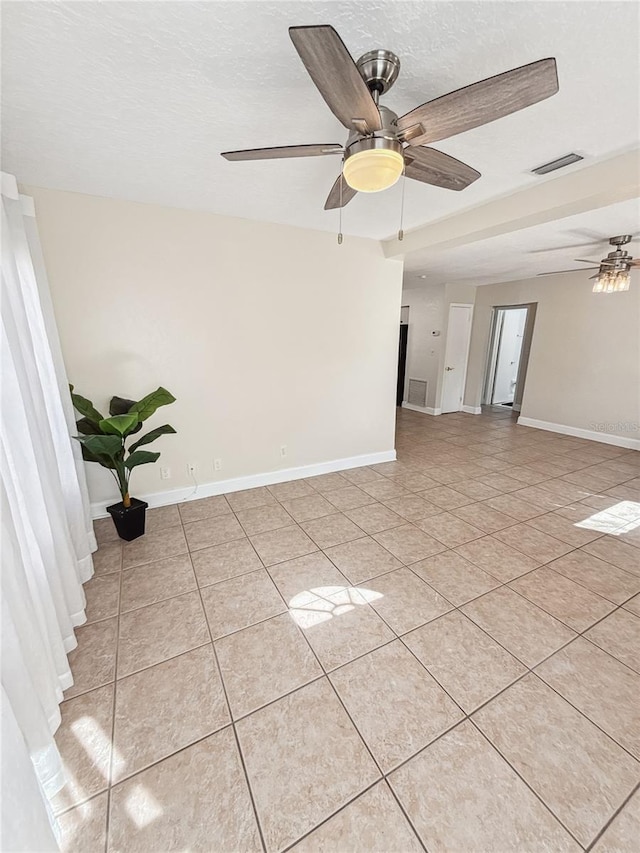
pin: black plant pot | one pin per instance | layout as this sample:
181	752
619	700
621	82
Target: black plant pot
129	520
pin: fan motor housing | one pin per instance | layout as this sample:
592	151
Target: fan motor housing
379	69
370	143
387	133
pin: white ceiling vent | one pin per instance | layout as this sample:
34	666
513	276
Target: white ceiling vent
560	163
417	392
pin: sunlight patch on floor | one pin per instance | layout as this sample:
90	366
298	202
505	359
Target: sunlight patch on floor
319	604
142	807
617	519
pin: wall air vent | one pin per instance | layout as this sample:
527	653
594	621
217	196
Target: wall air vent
560	163
417	392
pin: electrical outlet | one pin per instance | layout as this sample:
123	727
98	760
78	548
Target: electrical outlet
217	464
283	450
191	468
165	473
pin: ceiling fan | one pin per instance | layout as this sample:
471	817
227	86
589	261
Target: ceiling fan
613	271
381	145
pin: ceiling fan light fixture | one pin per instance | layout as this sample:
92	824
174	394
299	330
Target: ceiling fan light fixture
612	281
373	165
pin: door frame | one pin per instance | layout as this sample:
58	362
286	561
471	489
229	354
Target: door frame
471	306
493	351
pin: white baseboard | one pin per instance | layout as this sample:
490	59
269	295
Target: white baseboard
577	432
252	481
426	410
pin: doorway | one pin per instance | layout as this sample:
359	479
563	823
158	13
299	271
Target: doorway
511	332
402	362
456	357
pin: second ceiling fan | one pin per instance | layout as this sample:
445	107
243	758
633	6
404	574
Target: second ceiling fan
381	145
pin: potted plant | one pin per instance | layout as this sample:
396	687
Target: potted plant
104	440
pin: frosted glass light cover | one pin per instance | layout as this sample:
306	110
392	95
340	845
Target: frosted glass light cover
372	171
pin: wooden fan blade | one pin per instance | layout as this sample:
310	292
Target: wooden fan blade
283	151
334	72
635	263
483	102
585	261
433	167
560	272
333	199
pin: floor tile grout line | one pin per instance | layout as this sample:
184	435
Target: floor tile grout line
332	815
505	583
587	465
450	728
529	669
90	799
113	712
326	675
155	762
534	569
240	717
636	758
584	631
269	530
412	522
405	812
235	733
617	812
228	705
341	809
572	548
525	782
499	585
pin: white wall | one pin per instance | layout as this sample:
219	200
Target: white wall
584	365
267	335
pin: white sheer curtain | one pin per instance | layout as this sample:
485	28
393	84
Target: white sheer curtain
47	536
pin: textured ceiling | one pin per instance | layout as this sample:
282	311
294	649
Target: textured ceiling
136	99
525	253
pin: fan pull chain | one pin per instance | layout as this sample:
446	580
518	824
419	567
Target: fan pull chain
340	214
400	231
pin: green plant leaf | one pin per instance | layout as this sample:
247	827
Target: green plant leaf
106	450
148	437
119	424
120	406
148	405
140	457
85	407
88	456
102	445
87	427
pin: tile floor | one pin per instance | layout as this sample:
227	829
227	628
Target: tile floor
440	653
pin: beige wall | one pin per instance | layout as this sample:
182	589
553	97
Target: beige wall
268	335
426	311
584	365
429	311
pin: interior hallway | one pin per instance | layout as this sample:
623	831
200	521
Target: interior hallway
441	652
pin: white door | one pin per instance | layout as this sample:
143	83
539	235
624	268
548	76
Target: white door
456	355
